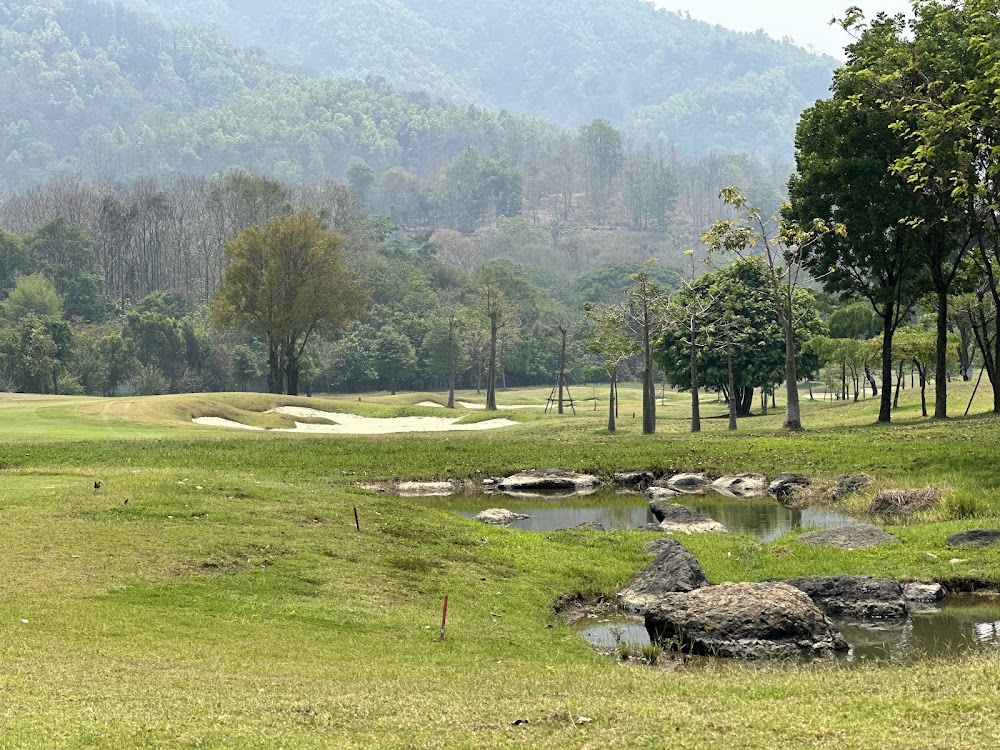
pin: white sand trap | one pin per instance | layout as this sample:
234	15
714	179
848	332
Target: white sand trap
507	407
431	404
351	424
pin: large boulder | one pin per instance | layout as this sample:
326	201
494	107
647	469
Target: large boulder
674	517
688	483
741	485
548	479
854	596
500	517
975	538
858	536
743	620
786	485
674	570
848	484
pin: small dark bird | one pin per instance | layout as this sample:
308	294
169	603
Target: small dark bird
97	486
126	501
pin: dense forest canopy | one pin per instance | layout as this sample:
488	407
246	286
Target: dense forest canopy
570	61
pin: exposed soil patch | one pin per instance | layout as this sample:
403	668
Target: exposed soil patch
233	562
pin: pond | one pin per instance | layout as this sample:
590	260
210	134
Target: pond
764	518
958	625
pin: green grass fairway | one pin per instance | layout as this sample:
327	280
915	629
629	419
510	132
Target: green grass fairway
232	604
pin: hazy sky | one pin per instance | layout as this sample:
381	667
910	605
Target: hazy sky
805	21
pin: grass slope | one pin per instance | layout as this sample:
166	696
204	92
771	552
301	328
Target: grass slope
231	602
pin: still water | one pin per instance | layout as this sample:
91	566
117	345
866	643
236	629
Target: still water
958	625
763	518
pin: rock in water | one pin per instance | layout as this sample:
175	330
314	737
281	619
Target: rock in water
674	517
688	483
500	517
924	592
548	479
634	478
785	485
741	485
743	620
848	484
859	536
975	538
660	493
854	596
425	489
674	569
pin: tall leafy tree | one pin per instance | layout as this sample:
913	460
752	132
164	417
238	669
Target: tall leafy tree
285	283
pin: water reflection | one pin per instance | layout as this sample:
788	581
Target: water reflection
963	623
763	518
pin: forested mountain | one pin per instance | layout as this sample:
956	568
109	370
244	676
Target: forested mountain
655	72
110	93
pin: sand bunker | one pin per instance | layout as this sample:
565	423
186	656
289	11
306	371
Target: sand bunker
351	424
509	407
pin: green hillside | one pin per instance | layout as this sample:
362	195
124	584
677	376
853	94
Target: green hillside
110	93
570	61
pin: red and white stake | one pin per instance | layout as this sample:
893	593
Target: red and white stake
444	618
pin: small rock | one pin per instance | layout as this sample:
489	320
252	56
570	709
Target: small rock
589	526
548	479
500	517
634	478
930	556
854	596
923	592
425	489
681	518
786	484
848	484
660	493
688	483
741	485
957	560
859	536
975	538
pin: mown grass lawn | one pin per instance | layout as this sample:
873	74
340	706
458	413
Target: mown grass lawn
232	603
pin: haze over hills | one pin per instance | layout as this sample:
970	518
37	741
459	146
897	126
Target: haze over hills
662	76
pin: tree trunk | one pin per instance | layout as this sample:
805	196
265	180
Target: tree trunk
732	391
793	414
885	406
923	389
491	372
612	402
899	384
562	368
292	370
648	387
695	398
275	368
941	370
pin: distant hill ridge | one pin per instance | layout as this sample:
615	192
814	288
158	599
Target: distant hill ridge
661	75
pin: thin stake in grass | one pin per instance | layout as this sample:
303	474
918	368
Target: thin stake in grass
444	618
357	523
